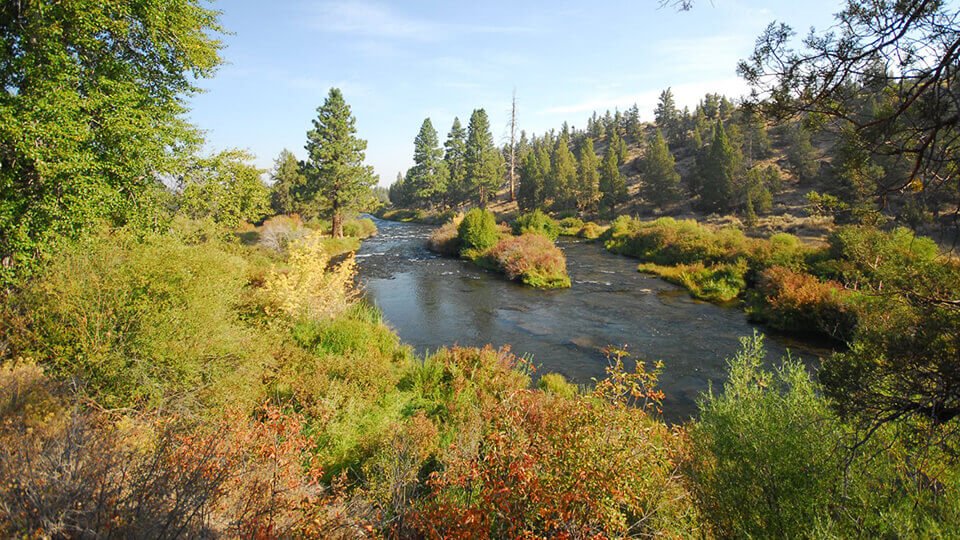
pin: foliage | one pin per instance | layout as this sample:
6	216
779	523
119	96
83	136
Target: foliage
288	184
305	287
92	114
661	180
588	178
558	385
538	223
765	458
561	182
544	468
533	259
483	164
613	187
533	172
718	168
668	241
478	232
446	239
570	226
427	178
225	188
359	228
719	283
279	232
337	179
591	231
454	157
140	323
799	302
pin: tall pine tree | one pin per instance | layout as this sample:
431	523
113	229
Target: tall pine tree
564	174
454	156
667	117
588	178
482	160
613	187
718	171
530	194
661	182
337	178
428	176
288	182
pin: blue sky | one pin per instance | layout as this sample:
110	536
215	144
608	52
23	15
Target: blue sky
399	62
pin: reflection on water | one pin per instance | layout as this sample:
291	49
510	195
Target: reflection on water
433	301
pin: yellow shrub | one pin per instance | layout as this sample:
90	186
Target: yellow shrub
310	286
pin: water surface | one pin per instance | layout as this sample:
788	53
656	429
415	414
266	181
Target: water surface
434	301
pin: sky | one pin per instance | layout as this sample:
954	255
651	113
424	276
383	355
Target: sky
400	62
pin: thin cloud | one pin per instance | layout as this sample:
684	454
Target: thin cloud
375	20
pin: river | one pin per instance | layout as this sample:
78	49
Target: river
433	301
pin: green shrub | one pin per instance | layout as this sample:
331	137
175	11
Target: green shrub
142	323
570	226
781	249
558	385
359	228
478	232
717	283
667	241
537	222
864	257
765	451
533	259
591	231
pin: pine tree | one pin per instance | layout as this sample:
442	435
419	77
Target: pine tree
398	192
588	181
288	182
661	182
718	171
530	194
613	187
800	152
667	117
482	160
336	175
619	146
455	149
564	173
634	127
428	176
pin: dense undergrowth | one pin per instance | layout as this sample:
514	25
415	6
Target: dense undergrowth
189	385
531	257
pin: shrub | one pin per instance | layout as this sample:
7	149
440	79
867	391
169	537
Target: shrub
765	463
667	241
445	239
139	323
359	228
278	232
591	231
537	222
867	258
556	384
781	249
478	232
570	226
789	300
717	283
533	259
305	287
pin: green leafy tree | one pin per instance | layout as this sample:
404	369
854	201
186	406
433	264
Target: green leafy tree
454	156
226	188
661	181
482	161
428	177
288	182
564	175
613	187
92	114
588	178
718	171
337	178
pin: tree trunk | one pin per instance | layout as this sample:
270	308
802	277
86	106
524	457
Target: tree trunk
337	222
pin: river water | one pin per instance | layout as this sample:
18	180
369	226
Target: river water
433	301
